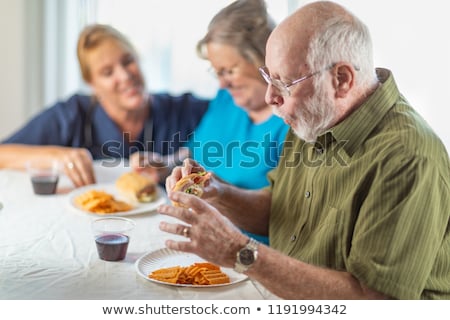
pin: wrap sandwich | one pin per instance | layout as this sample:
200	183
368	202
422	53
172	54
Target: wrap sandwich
193	183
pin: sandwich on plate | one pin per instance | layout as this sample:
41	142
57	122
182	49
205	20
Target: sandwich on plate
137	186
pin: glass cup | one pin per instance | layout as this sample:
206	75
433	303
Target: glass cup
44	175
112	235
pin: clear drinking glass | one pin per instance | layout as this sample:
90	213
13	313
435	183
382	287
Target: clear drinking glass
112	235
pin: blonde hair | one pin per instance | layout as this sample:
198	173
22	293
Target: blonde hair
244	25
91	38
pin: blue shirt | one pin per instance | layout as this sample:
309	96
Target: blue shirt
239	151
78	122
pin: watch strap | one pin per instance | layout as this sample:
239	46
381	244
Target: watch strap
252	245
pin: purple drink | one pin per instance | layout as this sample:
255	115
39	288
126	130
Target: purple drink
44	184
112	247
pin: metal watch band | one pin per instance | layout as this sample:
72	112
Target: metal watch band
252	245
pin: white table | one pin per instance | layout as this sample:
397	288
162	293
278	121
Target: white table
47	251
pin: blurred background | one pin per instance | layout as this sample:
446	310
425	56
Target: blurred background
39	66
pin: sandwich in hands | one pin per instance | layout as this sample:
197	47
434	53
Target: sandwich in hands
193	183
137	186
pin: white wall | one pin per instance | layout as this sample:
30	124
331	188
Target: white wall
12	59
410	37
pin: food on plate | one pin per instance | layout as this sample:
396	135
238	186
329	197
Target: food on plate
199	273
192	184
137	186
98	201
167	274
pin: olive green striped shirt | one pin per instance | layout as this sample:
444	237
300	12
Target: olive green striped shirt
370	197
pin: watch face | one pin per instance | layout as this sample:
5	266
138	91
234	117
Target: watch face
246	257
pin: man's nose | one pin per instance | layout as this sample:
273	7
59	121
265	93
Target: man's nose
272	96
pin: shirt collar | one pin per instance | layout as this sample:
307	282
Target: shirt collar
355	129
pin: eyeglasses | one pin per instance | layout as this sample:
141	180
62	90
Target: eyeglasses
223	72
282	87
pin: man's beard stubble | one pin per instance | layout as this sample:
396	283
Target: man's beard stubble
315	116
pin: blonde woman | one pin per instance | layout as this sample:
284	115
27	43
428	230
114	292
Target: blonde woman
120	117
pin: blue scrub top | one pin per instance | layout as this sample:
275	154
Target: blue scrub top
239	151
172	119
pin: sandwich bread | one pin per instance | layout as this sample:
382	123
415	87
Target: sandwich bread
137	186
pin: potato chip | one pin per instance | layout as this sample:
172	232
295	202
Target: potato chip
98	201
199	273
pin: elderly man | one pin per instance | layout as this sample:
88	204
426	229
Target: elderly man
358	206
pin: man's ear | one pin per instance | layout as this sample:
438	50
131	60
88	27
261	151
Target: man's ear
343	79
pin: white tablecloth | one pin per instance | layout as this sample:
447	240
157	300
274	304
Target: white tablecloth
47	250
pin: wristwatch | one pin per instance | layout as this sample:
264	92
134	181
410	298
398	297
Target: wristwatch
246	257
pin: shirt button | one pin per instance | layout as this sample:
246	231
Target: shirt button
307	194
293	238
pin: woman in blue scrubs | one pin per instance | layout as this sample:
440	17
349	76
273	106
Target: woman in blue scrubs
120	117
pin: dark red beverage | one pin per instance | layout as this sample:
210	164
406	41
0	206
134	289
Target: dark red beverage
44	184
112	247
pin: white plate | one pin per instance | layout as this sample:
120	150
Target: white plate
138	207
165	258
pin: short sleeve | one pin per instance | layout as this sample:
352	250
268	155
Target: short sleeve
57	125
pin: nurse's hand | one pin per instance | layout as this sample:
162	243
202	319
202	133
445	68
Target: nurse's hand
78	165
151	163
156	165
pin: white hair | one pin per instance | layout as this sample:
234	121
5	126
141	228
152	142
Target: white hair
343	39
